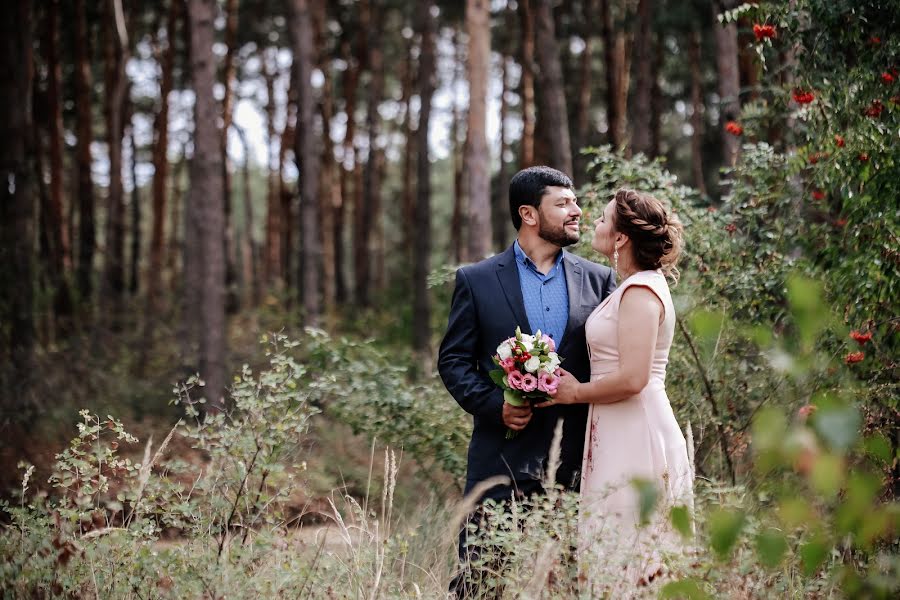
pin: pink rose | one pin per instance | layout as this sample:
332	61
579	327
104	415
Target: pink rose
508	365
551	345
514	379
529	382
548	382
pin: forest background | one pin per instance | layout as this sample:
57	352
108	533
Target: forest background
187	178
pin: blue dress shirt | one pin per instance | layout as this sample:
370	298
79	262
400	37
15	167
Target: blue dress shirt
546	296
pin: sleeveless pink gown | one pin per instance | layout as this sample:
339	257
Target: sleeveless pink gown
635	438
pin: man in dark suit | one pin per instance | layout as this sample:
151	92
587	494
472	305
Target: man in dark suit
534	284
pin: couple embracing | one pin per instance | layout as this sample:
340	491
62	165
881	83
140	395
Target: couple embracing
614	327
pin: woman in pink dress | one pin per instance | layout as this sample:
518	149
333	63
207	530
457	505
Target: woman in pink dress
632	433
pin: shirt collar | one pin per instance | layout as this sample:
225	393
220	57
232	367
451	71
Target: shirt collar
526	260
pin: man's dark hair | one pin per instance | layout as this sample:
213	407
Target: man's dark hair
528	186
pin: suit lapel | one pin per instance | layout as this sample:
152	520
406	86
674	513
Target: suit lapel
575	285
508	274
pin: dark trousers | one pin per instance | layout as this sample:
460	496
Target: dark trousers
469	581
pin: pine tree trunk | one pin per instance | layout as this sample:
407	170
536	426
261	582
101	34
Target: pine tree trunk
616	54
59	233
17	206
550	96
697	110
427	66
84	139
115	56
232	294
208	223
134	275
272	261
527	84
329	186
408	201
308	164
500	209
581	118
367	215
641	140
176	238
161	162
457	233
348	166
249	248
478	26
729	83
657	99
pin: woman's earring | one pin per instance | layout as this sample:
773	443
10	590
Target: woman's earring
616	261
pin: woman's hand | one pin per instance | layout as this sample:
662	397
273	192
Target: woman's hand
566	392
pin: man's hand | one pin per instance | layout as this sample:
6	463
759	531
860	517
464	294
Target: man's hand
516	417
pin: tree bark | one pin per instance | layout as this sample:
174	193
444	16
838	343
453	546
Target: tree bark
500	208
272	261
408	200
582	115
306	157
329	186
17	206
427	66
478	26
729	82
59	234
551	100
232	297
641	141
366	216
248	245
134	275
457	231
161	162
697	110
616	55
84	138
348	167
115	57
527	84
208	223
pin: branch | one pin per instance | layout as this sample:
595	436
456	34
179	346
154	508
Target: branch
710	396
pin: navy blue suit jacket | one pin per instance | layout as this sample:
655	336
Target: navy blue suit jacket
487	307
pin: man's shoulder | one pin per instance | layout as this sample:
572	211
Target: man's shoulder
589	266
487	265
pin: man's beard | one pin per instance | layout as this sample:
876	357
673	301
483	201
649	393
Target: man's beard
558	236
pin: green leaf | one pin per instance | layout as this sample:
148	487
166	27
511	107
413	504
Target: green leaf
878	447
724	528
838	426
827	474
690	589
648	496
812	554
514	398
769	428
770	547
498	376
681	520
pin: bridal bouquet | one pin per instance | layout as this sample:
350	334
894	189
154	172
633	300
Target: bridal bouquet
529	369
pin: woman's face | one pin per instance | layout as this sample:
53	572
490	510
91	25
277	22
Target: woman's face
604	231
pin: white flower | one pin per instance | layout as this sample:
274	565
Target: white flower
504	350
554	358
532	364
528	340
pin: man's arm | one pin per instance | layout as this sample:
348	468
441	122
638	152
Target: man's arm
457	363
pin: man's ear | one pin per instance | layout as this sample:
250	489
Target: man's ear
528	214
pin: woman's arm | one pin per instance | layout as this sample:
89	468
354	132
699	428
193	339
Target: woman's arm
640	312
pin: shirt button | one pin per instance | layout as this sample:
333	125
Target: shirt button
548	309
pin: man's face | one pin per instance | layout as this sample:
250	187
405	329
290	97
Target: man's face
559	216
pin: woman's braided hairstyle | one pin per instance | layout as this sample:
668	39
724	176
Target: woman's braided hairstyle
655	233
